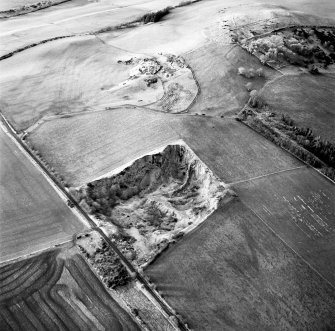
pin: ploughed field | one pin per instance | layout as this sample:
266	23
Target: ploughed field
52	291
32	216
102	142
233	273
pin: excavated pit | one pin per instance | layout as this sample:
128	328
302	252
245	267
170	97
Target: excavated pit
154	201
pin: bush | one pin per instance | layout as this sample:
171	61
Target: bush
250	73
156	16
260	72
248	86
242	71
255	100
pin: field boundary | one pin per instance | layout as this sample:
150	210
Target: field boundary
54	182
37	252
287	151
266	175
29	155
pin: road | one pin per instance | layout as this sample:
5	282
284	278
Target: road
92	224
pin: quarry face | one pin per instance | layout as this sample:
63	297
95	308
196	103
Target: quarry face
154	201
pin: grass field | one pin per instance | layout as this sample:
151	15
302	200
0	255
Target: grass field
299	206
232	273
54	292
65	76
101	142
33	216
309	100
223	91
74	17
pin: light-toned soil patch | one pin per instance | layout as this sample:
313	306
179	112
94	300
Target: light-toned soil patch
63	77
165	83
154	201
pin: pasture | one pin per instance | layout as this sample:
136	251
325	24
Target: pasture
309	100
32	215
233	273
74	17
65	76
104	141
299	206
53	291
223	91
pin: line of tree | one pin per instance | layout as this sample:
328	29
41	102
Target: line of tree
155	16
299	141
323	149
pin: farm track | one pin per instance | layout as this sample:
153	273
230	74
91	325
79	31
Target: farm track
266	175
163	305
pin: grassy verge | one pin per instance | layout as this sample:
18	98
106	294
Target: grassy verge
283	131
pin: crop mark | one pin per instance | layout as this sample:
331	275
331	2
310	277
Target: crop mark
292	249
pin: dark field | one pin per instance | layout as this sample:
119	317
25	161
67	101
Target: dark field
233	273
32	216
299	206
232	150
49	292
309	100
101	142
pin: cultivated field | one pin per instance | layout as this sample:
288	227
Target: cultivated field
100	107
32	216
53	291
309	100
102	142
299	206
233	273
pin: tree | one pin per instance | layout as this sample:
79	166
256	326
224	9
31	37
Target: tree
260	72
255	100
242	71
249	86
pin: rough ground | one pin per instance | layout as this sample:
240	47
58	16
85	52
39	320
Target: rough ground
164	83
154	201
